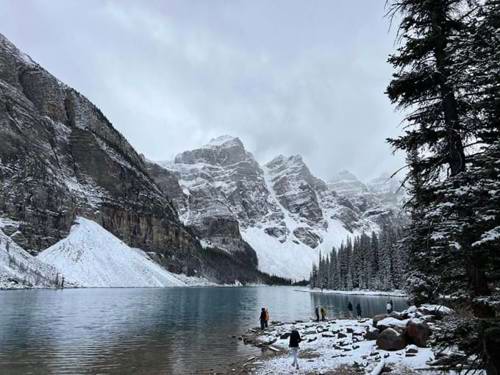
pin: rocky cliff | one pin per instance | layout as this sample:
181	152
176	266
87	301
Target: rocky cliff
60	156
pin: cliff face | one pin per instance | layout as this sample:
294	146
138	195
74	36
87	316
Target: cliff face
59	156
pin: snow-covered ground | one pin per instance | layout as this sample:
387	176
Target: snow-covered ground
329	345
93	257
18	268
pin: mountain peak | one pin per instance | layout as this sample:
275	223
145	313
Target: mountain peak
10	48
282	159
223	150
224	141
344	175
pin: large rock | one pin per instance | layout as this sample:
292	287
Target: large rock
372	334
437	310
418	332
378	318
391	323
391	339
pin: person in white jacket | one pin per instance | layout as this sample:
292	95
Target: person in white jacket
388	307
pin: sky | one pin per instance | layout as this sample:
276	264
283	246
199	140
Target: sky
285	76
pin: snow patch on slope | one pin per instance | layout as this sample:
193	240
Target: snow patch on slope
289	259
92	257
19	269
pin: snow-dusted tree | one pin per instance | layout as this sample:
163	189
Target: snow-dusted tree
313	280
448	79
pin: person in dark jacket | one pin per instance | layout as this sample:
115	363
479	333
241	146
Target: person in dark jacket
316	311
323	313
358	310
349	307
294	346
262	318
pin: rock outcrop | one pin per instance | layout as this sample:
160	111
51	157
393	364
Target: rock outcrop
60	156
391	339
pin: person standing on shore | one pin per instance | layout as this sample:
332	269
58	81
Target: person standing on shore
358	310
267	318
349	307
295	339
316	311
389	307
262	318
323	313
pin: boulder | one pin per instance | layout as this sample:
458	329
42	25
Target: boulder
391	339
412	349
372	334
391	323
378	318
436	310
397	315
418	332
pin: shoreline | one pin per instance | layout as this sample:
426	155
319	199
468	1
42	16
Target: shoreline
396	293
345	346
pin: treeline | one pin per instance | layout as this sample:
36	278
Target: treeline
375	262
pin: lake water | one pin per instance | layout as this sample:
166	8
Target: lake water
147	331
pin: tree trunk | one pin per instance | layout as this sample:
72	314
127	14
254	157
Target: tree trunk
456	155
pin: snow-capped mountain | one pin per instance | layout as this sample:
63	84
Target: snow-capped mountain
92	257
285	213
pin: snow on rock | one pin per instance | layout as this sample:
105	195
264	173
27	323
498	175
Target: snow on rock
392	322
435	309
19	269
92	257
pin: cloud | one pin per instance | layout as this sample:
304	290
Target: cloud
285	76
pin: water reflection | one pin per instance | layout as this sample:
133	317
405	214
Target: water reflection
150	331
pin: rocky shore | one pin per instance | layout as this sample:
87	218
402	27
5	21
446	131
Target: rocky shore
398	343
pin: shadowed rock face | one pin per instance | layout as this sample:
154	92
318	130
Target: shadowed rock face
60	156
295	187
212	210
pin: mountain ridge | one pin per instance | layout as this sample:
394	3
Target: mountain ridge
279	205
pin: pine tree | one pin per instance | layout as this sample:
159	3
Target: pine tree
448	79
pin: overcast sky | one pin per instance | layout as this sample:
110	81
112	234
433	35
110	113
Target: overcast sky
291	77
